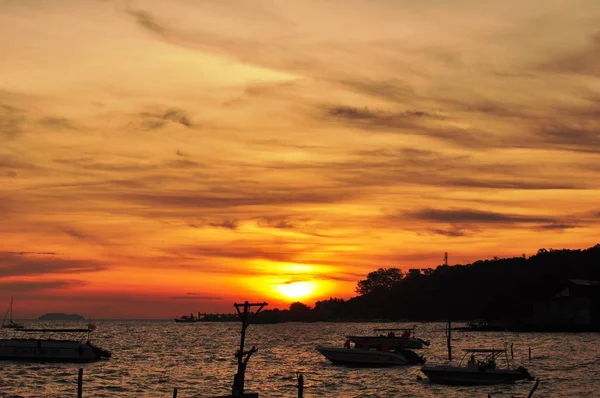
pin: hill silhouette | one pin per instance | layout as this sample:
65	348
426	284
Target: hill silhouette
500	289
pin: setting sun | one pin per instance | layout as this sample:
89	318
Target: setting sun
296	290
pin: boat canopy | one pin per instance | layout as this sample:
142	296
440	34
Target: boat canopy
392	329
489	350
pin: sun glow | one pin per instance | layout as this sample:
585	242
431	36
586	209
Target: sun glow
296	290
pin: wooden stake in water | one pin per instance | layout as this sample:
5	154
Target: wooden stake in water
512	354
175	392
80	383
300	385
243	356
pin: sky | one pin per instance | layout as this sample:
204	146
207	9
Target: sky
167	157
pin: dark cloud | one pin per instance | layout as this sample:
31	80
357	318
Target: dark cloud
581	137
157	119
77	234
226	224
34	286
29	264
183	164
556	227
147	21
12	121
452	233
476	216
56	122
583	60
214	200
88	163
390	90
377	117
196	296
276	222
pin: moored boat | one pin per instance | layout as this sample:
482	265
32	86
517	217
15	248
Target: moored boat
51	345
7	322
405	340
382	355
477	372
360	357
188	319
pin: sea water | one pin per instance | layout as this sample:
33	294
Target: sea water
151	358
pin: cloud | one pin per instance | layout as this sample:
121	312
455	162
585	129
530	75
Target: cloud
30	264
147	21
195	296
158	119
35	286
476	216
55	122
225	224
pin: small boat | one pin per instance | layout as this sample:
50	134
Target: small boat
477	372
7	322
406	340
382	356
481	325
51	345
187	319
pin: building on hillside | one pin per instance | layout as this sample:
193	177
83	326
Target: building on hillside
575	307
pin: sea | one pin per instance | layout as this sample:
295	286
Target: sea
152	358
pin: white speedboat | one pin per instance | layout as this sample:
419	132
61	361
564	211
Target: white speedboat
7	322
405	340
382	356
477	372
51	345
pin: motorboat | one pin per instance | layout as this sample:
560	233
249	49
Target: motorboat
481	325
482	371
381	356
188	319
406	339
51	345
7	322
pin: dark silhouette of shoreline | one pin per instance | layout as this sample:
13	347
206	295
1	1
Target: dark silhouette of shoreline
554	290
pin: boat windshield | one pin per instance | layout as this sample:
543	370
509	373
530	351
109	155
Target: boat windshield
487	356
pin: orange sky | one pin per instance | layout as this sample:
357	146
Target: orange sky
162	157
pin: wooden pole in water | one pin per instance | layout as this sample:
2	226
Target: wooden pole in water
535	386
300	384
80	383
175	392
449	339
512	354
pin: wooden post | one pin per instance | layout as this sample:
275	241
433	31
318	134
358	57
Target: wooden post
530	353
175	392
512	354
449	338
237	389
535	386
300	384
80	383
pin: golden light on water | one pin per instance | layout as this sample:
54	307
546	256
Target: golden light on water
296	290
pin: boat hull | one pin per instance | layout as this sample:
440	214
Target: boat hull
460	376
33	350
393	342
360	357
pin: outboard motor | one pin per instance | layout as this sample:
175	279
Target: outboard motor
525	372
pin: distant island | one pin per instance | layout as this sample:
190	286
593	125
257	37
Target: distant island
59	316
